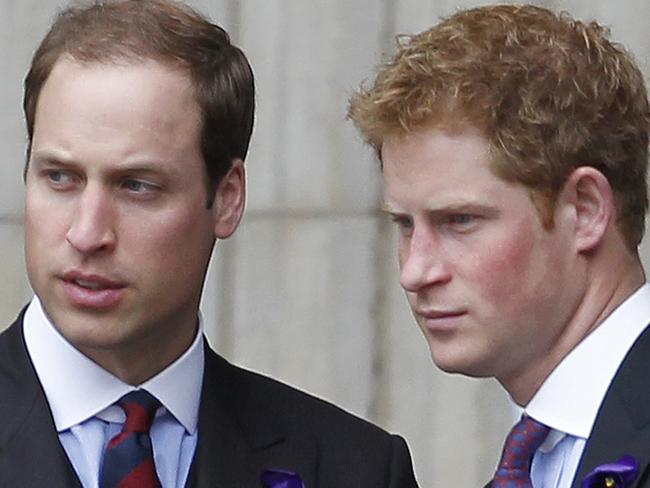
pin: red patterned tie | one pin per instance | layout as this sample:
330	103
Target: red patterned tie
522	442
128	459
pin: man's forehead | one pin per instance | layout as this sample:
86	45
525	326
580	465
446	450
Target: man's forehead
118	55
67	61
106	84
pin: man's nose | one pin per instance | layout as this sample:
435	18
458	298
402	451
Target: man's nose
423	261
92	226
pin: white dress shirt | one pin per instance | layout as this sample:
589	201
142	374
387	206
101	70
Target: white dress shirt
569	399
81	395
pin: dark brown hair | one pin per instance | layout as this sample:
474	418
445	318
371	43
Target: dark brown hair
171	33
550	93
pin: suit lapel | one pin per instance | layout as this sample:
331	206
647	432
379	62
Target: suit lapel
240	428
238	437
31	455
623	422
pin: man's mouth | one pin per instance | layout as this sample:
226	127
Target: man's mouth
439	314
439	320
92	291
91	281
91	285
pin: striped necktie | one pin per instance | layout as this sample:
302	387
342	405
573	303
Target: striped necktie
520	446
128	459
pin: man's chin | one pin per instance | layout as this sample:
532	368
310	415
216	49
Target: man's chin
455	365
86	332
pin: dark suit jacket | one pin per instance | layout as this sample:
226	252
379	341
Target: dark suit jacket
623	422
247	424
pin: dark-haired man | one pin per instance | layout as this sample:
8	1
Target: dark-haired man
514	150
139	115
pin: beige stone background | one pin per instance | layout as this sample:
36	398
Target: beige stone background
307	290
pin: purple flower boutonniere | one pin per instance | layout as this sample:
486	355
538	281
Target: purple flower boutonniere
620	474
281	478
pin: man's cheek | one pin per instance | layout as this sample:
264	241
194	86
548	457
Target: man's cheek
505	269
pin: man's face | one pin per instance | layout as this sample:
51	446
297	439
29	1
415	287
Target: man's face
118	235
491	289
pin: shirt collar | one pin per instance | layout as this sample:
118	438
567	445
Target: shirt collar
570	397
77	388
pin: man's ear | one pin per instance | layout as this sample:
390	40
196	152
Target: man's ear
592	198
229	200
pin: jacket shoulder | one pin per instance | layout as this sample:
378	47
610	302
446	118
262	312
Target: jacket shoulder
345	443
263	393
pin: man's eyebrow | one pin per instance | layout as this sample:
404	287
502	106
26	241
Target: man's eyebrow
462	207
140	169
465	207
388	208
50	159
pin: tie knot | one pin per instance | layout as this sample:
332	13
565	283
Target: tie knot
522	442
140	407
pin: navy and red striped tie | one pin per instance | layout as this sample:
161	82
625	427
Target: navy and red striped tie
128	459
520	446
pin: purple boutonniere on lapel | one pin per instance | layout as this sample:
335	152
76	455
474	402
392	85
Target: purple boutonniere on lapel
281	478
620	474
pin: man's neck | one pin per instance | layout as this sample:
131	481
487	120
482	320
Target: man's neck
603	295
143	362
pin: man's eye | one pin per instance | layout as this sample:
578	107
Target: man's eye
59	178
404	223
461	222
461	219
138	186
